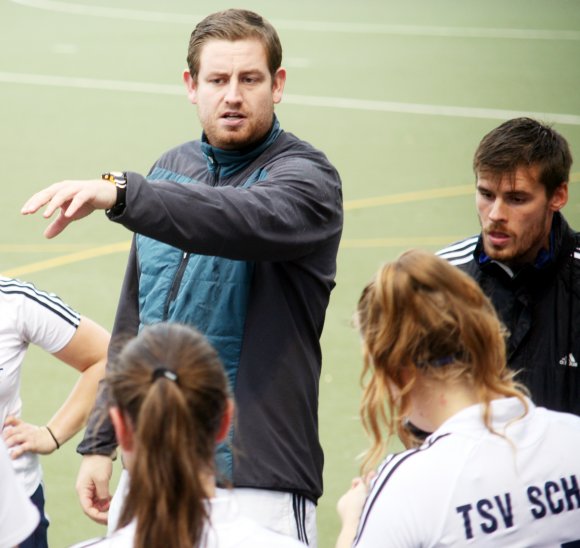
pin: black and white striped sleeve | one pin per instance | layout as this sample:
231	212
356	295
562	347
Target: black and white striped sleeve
40	318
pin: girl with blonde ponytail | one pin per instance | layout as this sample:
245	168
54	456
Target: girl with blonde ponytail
170	406
495	470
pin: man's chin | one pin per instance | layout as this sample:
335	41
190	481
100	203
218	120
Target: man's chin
501	255
230	141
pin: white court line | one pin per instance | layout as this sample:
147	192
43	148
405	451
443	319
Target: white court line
300	100
312	26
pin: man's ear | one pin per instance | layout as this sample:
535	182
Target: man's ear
278	85
190	86
560	197
123	429
226	421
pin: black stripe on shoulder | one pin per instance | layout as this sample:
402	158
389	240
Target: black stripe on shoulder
47	300
392	469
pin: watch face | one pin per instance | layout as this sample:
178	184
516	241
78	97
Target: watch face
118	178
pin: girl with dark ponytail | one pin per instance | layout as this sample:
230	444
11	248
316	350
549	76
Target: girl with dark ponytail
170	405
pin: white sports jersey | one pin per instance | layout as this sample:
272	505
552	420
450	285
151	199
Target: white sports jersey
28	315
227	530
467	487
18	516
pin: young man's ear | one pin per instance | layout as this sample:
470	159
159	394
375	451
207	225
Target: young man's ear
190	86
123	430
560	197
226	421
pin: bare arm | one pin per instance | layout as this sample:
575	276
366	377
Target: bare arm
86	352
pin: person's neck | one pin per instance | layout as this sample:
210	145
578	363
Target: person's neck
208	482
434	401
530	257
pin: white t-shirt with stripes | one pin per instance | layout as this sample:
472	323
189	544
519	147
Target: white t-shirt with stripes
28	316
468	487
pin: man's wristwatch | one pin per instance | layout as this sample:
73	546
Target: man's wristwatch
119	179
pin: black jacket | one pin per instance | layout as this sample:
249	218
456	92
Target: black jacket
276	208
540	307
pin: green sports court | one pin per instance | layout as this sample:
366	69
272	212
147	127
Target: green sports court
397	94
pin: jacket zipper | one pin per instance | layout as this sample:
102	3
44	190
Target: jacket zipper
185	257
216	169
175	284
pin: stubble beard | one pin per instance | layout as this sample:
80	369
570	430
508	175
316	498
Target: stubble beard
253	131
523	248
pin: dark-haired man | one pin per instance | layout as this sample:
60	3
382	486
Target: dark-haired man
527	258
237	235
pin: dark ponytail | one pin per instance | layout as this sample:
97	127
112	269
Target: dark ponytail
170	384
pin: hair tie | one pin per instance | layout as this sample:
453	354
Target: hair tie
166	373
440	362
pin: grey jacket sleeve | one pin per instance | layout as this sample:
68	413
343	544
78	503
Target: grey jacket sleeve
285	217
99	438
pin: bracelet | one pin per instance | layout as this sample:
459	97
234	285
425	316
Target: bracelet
53	436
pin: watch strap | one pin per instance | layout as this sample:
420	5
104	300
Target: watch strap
119	179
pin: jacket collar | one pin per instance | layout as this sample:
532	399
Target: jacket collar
228	162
